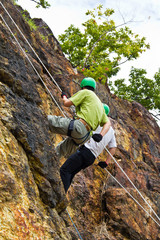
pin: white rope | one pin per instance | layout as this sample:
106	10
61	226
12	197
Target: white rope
48	92
33	66
74	225
32	48
62	110
131	196
132	183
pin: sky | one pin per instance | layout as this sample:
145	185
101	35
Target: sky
146	23
145	14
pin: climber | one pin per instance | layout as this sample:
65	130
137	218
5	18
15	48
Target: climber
89	115
86	154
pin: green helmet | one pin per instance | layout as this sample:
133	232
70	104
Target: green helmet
88	81
106	108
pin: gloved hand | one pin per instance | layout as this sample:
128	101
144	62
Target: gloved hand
63	94
102	164
97	137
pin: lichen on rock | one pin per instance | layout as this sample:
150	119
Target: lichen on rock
32	197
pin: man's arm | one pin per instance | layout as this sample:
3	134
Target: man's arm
66	101
105	128
98	136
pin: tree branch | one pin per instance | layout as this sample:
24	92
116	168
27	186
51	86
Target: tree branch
42	4
100	38
35	1
122	62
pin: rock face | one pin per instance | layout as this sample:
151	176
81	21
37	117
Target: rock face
32	199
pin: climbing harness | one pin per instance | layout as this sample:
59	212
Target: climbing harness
70	128
72	122
84	139
88	127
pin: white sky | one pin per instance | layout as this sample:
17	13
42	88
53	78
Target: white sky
146	14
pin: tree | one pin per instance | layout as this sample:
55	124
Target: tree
140	88
102	47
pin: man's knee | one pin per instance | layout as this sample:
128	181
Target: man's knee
51	122
50	118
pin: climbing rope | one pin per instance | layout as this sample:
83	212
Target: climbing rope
48	92
74	224
32	48
32	65
64	114
132	183
132	196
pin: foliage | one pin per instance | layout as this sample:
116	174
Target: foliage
30	21
140	89
40	3
33	26
102	47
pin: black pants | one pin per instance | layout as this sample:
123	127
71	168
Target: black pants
81	159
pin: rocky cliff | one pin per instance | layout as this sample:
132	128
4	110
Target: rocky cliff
32	199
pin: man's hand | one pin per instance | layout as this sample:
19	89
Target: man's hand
102	164
97	137
63	94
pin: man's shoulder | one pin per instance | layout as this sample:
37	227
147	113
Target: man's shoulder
76	95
